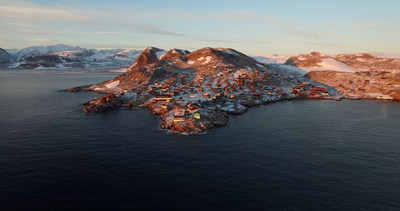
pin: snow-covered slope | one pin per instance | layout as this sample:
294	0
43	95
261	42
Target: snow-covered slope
332	64
316	61
271	58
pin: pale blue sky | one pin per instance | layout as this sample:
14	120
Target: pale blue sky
253	27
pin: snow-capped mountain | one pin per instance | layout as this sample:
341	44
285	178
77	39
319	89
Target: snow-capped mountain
271	58
40	50
67	57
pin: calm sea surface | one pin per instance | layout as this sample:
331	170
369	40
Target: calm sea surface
310	155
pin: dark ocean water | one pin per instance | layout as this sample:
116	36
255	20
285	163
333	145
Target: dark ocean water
295	155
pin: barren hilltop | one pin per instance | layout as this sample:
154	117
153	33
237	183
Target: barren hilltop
195	91
353	75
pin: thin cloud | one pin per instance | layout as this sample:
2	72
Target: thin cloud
325	44
30	12
107	33
230	41
247	16
251	17
42	40
23	28
154	29
302	33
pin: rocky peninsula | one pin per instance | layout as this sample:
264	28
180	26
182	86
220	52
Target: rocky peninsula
193	92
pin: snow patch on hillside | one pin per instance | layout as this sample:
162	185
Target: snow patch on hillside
332	64
112	85
271	58
207	59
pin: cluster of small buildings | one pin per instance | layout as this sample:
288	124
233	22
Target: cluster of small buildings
180	94
310	92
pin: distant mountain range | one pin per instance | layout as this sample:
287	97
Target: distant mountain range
66	57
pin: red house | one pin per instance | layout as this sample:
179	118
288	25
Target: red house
317	89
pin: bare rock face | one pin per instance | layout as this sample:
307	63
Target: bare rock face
217	119
148	56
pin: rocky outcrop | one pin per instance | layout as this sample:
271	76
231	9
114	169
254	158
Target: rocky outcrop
109	101
148	56
208	119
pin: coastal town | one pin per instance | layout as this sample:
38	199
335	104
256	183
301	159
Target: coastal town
195	96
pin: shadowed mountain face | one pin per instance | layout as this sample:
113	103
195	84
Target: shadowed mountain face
4	56
148	56
41	61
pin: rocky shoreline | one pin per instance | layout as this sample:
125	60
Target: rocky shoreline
208	116
183	116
